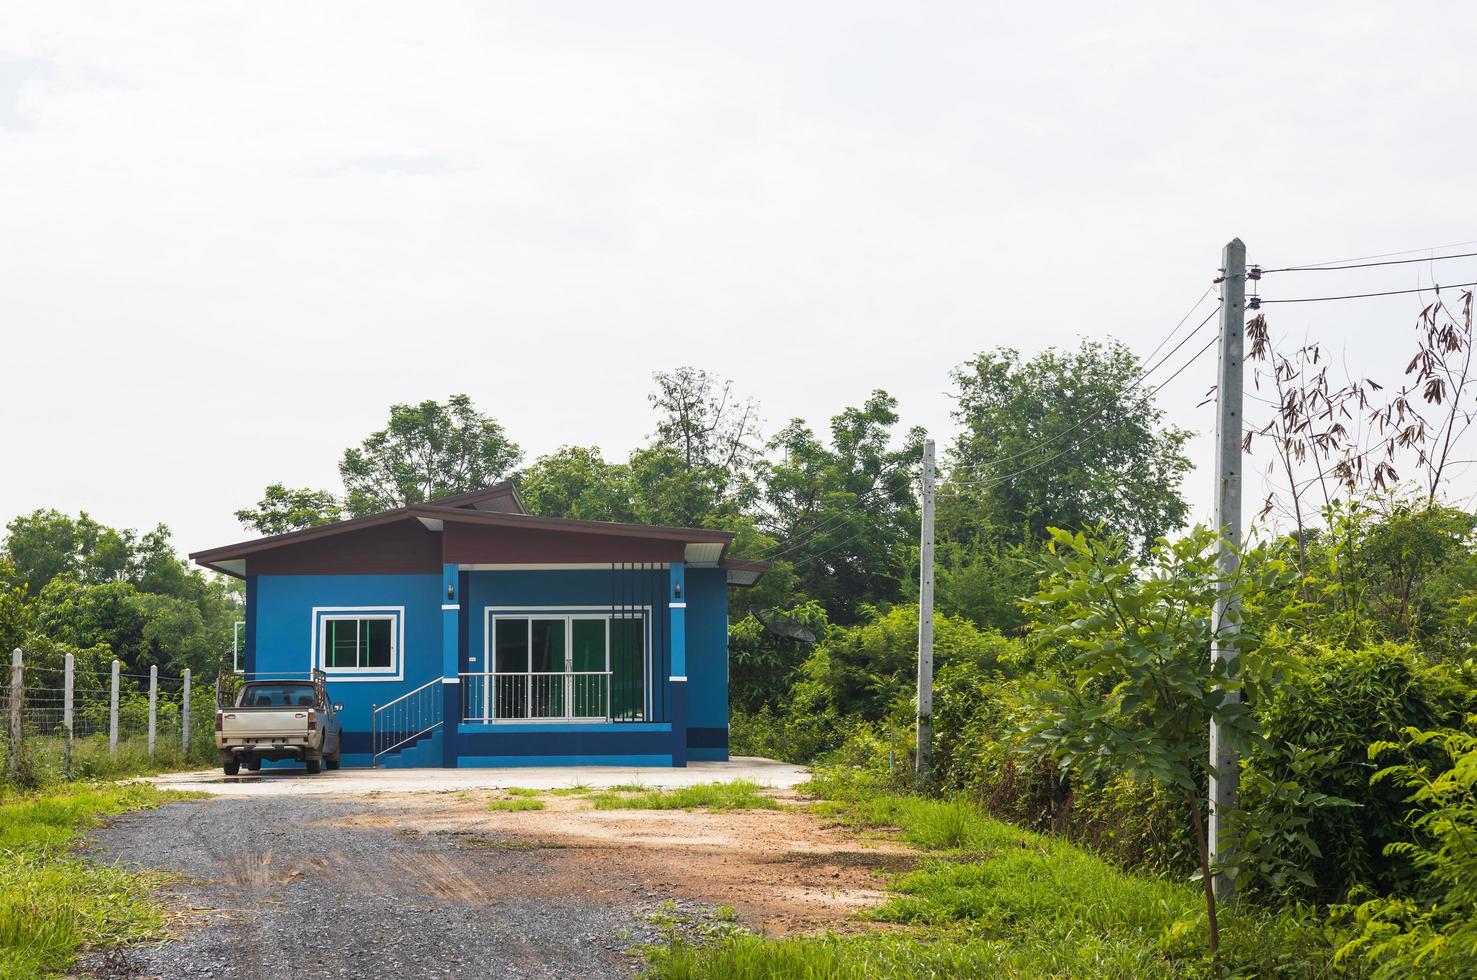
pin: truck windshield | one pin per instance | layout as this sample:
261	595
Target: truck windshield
277	696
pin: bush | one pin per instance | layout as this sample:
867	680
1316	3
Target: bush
1347	700
1434	933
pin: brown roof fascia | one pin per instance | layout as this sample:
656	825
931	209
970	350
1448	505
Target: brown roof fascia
662	532
294	537
474	497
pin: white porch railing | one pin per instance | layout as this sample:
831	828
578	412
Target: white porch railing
412	715
575	695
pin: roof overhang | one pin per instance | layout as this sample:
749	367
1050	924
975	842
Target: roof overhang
701	547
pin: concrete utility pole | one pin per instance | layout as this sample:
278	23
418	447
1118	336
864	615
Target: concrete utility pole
925	624
184	731
153	705
1225	772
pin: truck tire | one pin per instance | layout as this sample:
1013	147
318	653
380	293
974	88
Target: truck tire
231	768
333	762
314	765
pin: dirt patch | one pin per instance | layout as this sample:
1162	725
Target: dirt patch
784	871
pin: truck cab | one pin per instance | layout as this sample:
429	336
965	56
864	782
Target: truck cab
280	719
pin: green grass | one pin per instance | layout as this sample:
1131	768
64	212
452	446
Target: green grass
51	902
515	805
521	791
737	795
574	789
991	899
44	765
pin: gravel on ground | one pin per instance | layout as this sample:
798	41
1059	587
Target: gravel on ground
277	886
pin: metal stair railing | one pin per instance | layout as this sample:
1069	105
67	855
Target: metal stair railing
412	715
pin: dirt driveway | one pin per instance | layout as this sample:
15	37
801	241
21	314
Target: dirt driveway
438	884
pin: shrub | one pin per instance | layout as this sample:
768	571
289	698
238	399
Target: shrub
1433	933
1343	702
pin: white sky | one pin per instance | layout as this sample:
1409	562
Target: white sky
232	234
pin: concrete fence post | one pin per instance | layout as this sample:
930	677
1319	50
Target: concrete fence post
184	738
17	708
113	714
153	706
67	685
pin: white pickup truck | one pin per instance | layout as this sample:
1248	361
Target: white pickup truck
281	719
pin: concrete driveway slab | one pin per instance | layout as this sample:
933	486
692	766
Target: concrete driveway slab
351	782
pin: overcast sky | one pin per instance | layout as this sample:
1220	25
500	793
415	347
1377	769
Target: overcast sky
231	235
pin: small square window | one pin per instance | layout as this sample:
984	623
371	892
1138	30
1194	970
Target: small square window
354	642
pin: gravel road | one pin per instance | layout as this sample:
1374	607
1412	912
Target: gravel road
277	890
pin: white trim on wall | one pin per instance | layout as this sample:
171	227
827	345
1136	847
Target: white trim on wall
396	670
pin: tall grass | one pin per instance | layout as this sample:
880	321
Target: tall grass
52	902
991	899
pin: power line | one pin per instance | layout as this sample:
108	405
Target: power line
1381	255
989	482
1367	265
1389	292
974	470
799	536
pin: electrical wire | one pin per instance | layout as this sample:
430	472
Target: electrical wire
988	482
1389	292
974	470
799	536
1367	265
1381	255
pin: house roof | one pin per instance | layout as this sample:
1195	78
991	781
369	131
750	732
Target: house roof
496	507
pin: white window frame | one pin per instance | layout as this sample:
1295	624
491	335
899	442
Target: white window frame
394	614
568	614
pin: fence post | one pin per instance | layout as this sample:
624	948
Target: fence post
17	702
67	676
153	706
113	715
185	716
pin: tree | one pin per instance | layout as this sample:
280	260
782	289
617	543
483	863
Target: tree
704	447
284	509
577	482
845	515
1063	440
47	543
1133	643
427	450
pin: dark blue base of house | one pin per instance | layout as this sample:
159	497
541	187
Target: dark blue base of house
502	746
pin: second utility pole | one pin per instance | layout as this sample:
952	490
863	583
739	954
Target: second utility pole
1225	775
925	624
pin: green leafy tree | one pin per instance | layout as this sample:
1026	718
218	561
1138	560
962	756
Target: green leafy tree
47	543
700	462
845	514
576	482
1133	643
284	509
1063	440
427	450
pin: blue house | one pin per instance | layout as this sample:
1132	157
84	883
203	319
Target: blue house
467	632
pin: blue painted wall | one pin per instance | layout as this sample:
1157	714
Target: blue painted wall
284	626
707	664
281	627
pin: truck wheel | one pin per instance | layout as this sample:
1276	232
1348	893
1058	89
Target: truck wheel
333	762
231	767
314	765
255	765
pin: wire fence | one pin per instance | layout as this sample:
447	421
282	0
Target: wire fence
62	724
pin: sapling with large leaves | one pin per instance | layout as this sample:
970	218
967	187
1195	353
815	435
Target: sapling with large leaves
1132	641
